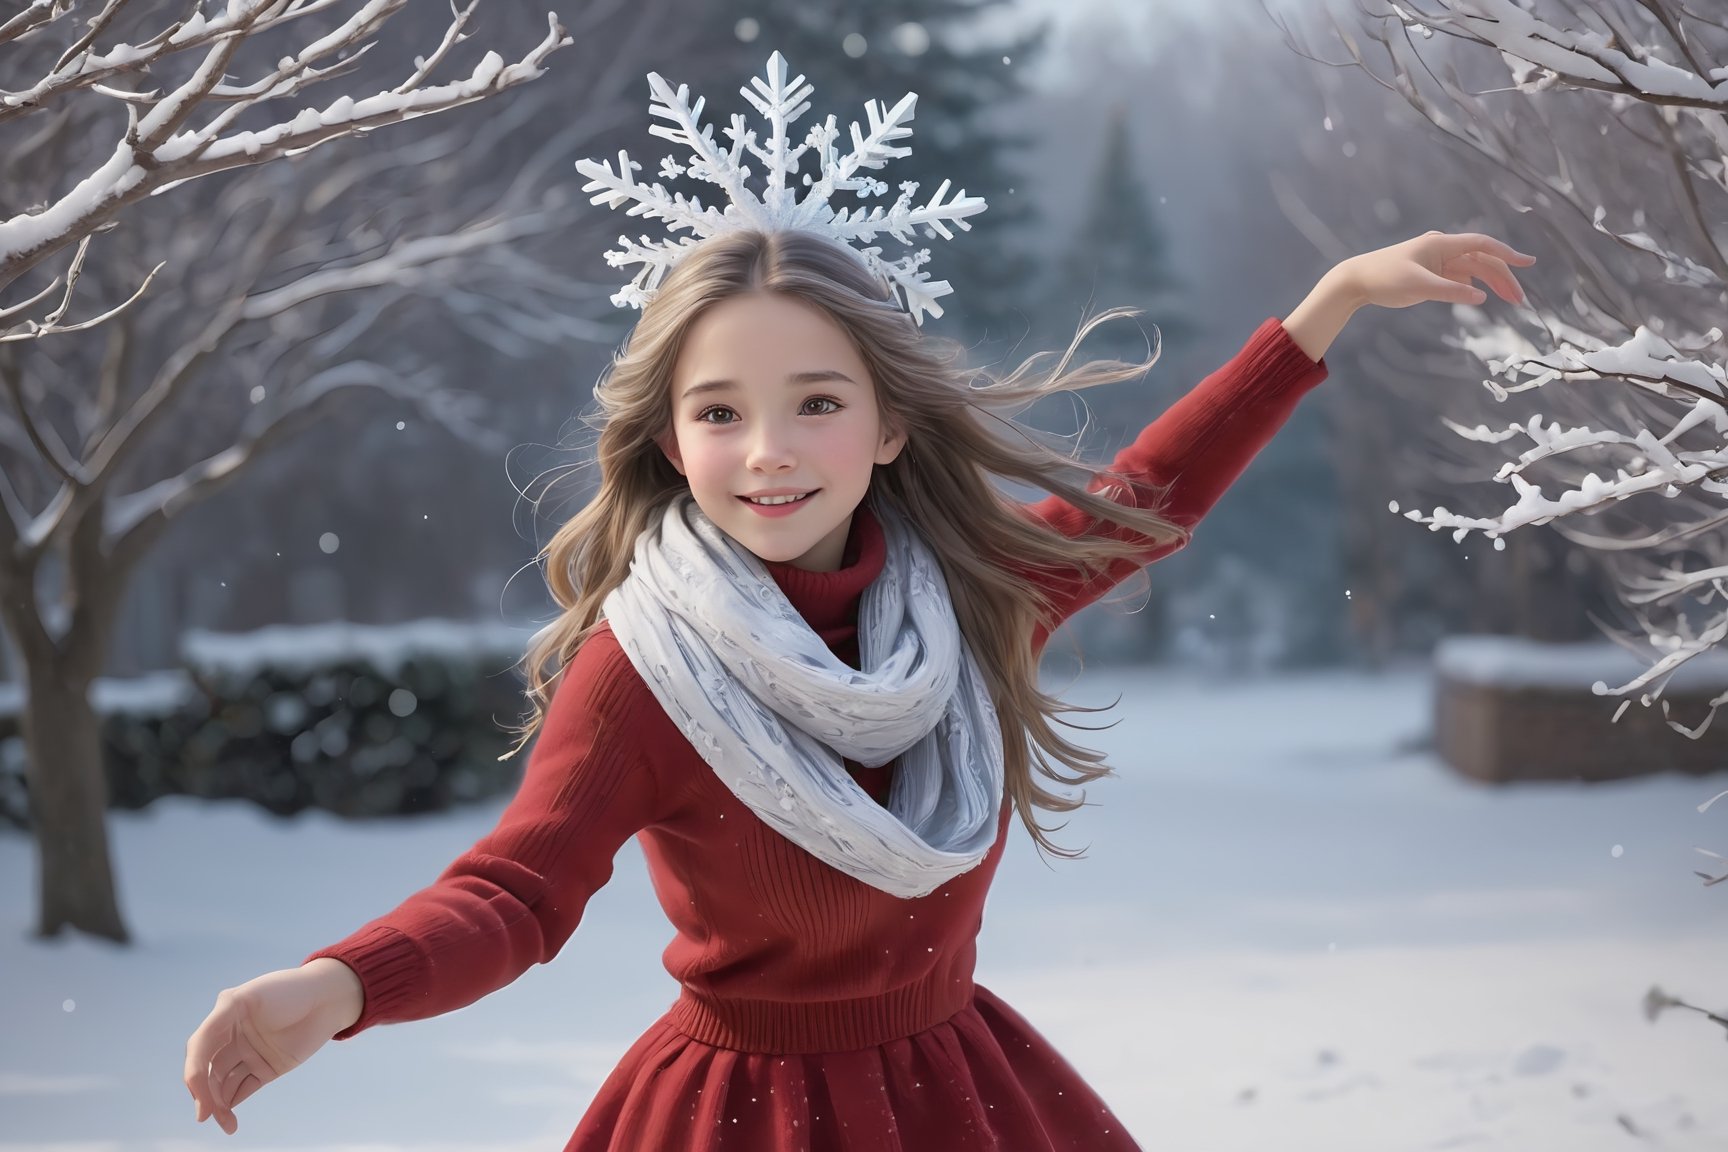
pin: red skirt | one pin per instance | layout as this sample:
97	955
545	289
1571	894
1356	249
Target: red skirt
983	1080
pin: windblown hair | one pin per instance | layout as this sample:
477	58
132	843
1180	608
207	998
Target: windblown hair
960	434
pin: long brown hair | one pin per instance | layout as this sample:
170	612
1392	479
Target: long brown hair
960	434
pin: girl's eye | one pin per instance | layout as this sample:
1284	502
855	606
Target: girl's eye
703	416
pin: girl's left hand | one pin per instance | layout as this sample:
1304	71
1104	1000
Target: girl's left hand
1434	266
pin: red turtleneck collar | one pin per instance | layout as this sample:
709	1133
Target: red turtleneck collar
828	601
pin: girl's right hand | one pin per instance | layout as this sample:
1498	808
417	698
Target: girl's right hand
262	1030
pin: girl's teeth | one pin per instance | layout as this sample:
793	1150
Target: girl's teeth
777	499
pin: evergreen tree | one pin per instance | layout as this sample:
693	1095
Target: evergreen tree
855	51
1120	256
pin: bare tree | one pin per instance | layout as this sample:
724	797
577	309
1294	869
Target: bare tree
1641	322
236	331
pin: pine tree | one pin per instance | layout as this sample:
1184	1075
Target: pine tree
1120	256
854	51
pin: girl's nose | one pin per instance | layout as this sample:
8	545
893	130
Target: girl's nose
770	448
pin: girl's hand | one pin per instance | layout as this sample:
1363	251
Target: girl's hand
1433	266
260	1031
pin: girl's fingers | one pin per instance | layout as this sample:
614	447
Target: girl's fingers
225	1060
229	1083
1491	270
1457	244
215	1033
1451	291
217	1065
246	1087
217	1089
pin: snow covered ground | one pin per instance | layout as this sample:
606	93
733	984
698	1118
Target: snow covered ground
1293	931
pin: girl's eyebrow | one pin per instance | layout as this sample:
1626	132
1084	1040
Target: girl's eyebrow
819	376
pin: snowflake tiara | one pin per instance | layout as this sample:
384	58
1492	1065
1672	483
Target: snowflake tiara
780	102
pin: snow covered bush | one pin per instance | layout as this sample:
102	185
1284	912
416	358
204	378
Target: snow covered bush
357	721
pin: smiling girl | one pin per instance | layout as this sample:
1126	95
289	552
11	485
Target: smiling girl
797	660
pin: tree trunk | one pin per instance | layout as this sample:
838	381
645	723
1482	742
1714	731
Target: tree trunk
68	805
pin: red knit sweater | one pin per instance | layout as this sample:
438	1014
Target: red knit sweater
774	950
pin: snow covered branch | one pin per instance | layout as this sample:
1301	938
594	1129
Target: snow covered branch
112	442
163	146
1633	369
1541	56
270	258
82	67
1711	879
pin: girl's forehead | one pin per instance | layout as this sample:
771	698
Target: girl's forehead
766	334
752	311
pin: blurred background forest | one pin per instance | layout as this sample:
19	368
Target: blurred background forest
1178	158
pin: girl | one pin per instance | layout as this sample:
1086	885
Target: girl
797	659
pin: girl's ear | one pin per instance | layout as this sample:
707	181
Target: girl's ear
893	440
669	445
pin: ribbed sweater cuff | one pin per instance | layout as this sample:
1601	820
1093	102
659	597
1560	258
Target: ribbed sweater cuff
390	967
1274	364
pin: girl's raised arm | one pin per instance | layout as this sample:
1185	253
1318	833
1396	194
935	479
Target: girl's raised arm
1192	453
1198	448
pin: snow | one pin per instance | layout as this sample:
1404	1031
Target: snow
488	74
157	694
299	649
193	28
1511	662
1676	268
26	232
1646	359
1292	930
372	13
1586	55
123	172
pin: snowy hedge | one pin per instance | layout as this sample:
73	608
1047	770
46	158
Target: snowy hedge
355	720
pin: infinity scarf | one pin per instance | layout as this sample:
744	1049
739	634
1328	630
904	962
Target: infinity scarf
772	710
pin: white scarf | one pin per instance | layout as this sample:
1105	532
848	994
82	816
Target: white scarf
762	699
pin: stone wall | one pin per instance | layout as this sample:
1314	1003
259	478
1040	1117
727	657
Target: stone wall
1508	709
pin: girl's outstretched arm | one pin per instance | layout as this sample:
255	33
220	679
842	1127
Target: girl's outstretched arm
516	896
1186	459
1183	461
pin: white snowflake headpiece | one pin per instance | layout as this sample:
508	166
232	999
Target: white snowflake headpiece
779	208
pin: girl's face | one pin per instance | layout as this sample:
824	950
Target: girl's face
770	397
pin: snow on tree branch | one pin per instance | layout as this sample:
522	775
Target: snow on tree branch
1541	56
1636	377
83	67
1709	879
161	146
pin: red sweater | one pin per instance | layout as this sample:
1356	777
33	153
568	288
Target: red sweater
774	950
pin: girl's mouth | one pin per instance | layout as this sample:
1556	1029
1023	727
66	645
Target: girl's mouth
785	508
